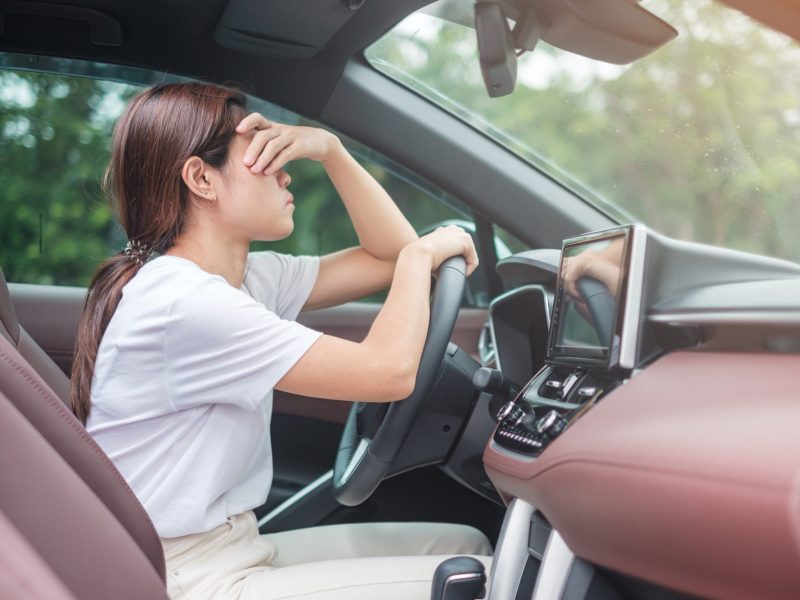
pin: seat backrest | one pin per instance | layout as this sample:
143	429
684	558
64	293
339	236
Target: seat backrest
12	331
64	522
36	401
24	575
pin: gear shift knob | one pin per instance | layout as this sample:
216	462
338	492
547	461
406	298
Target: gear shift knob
459	578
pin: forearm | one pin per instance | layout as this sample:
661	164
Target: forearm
398	332
381	228
605	272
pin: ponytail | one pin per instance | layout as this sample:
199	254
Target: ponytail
105	292
159	131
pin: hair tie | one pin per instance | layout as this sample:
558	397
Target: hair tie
137	251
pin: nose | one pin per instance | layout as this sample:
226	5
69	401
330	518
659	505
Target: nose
283	178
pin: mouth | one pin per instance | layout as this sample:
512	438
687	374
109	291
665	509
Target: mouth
290	199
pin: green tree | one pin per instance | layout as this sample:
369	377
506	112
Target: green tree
55	224
699	139
54	136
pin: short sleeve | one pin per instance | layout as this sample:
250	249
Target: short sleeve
222	346
281	282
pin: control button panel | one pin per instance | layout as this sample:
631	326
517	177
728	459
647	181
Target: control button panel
548	405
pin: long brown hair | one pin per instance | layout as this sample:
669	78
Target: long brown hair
160	129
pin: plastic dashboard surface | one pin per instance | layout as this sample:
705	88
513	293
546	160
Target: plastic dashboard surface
686	476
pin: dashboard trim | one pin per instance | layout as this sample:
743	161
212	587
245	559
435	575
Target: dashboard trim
556	566
728	317
633	303
511	552
510	294
655	481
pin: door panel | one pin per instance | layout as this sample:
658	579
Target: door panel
305	431
50	315
352	321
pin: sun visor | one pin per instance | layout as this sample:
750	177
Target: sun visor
614	31
296	29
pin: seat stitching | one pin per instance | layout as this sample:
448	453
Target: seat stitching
69	418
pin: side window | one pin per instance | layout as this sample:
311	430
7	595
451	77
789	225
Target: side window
55	226
55	134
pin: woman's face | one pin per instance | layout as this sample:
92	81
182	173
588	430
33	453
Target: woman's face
258	205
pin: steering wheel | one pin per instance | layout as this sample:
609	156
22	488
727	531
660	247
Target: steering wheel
364	457
602	306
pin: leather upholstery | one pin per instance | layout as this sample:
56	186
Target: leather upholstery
11	330
84	545
30	394
9	326
23	573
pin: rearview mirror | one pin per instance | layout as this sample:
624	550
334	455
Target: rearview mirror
496	51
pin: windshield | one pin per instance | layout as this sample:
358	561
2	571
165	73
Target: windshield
700	140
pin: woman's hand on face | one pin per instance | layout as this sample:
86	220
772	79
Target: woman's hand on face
275	144
449	241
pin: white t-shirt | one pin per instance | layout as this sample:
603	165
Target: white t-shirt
182	386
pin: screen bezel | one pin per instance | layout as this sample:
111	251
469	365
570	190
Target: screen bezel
581	356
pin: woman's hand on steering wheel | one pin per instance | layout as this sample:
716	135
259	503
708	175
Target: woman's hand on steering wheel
275	144
449	241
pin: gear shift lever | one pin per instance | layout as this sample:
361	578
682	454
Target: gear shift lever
459	578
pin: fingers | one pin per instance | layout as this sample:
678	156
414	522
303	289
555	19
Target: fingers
284	156
252	121
257	146
273	144
452	241
269	142
470	254
569	277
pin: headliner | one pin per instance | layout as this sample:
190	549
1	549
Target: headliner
177	36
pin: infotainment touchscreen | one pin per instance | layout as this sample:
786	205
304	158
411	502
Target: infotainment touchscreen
587	310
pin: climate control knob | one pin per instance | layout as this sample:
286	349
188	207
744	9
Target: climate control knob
551	424
513	414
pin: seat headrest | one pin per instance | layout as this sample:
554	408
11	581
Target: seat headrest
8	316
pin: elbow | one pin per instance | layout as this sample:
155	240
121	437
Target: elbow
400	383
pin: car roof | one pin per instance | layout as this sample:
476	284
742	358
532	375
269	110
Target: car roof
291	53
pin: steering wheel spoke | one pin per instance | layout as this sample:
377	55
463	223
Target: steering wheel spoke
375	432
369	416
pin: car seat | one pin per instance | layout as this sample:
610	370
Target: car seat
33	397
63	520
12	331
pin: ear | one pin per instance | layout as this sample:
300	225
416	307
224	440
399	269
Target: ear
199	178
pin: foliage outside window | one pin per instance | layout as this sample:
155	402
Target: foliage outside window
55	134
700	140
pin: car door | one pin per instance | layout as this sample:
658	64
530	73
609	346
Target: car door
56	228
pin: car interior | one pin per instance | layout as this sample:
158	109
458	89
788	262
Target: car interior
613	402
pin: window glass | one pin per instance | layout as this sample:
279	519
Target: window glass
698	140
55	226
55	134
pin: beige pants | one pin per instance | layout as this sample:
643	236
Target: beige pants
386	561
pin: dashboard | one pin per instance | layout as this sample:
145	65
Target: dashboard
647	403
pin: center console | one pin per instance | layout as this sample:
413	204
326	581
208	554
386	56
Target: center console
592	340
546	406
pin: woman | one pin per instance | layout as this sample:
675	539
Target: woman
185	334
